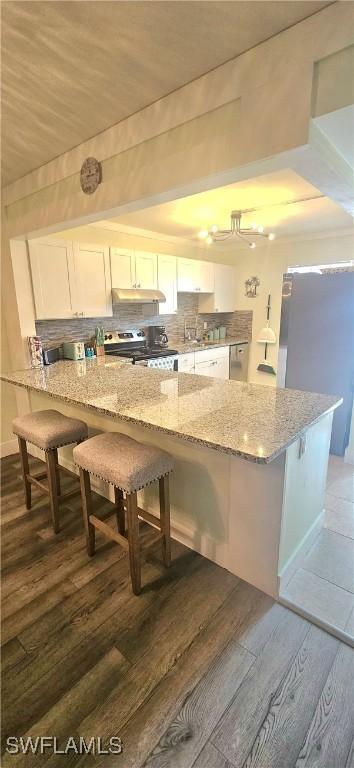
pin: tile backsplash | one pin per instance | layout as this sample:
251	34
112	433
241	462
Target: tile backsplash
53	332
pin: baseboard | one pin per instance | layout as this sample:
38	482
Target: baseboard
8	448
301	551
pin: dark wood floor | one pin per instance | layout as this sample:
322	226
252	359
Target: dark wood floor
201	670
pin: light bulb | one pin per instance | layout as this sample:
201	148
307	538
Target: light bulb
252	245
214	228
260	229
209	240
203	234
271	236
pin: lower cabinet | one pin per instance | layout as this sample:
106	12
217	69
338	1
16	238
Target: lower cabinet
206	362
186	363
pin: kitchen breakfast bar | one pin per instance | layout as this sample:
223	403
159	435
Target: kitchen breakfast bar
250	461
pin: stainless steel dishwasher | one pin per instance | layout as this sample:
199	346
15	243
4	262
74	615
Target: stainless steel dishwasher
239	361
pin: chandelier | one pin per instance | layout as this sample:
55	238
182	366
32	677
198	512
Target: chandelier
247	234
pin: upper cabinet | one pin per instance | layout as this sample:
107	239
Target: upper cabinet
195	276
122	268
69	279
93	287
52	264
133	269
167	283
145	269
223	299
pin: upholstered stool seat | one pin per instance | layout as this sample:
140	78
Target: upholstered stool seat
122	461
48	430
129	466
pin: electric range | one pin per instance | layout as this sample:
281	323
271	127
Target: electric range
133	345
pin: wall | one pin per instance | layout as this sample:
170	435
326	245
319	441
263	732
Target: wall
8	400
269	263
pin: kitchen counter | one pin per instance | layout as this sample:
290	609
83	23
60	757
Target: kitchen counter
254	422
192	346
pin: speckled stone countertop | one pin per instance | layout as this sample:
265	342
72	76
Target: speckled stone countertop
193	346
255	422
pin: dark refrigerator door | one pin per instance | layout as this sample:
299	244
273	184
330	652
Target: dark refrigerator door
320	356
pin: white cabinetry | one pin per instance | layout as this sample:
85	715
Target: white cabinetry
223	298
167	283
195	276
93	287
70	279
52	264
186	363
145	269
213	362
133	269
122	268
206	362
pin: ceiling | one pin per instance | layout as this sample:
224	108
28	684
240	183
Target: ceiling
187	216
73	69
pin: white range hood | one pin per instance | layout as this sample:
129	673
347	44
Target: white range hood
137	296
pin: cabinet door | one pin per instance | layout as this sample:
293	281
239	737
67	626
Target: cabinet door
222	368
204	277
224	288
123	268
145	269
186	275
205	367
167	283
92	280
224	294
186	363
51	267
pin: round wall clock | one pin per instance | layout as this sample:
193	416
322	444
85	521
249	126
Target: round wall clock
90	175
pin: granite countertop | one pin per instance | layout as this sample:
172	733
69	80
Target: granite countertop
192	346
255	422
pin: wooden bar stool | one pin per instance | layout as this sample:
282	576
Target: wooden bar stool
129	466
48	430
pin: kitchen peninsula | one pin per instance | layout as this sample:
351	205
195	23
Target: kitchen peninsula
251	461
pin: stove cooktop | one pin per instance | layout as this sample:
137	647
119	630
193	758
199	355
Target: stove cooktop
145	353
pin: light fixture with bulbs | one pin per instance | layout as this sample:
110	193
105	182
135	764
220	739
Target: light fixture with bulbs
244	233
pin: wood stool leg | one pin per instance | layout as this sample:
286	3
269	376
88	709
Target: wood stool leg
22	447
134	544
53	488
164	488
57	472
86	510
120	512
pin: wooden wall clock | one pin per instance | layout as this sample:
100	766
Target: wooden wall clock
90	175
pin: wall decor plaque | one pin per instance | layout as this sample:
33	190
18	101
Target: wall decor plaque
90	175
251	286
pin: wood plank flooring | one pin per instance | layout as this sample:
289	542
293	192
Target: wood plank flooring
200	671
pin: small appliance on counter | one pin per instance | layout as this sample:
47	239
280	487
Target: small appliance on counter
52	355
35	351
74	350
157	336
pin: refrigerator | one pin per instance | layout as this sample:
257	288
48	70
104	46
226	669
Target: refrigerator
316	342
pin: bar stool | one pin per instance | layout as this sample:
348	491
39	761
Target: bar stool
48	430
129	466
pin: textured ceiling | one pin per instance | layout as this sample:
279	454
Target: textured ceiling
187	216
73	69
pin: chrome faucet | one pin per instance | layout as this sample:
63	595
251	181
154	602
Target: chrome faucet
190	328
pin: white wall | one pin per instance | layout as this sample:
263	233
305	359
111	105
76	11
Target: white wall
269	263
